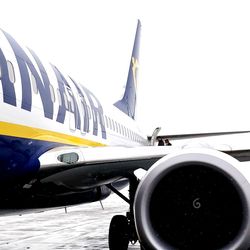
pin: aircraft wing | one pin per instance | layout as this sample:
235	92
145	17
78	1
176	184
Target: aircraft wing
197	135
89	167
183	190
97	166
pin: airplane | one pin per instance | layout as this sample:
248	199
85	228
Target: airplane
61	145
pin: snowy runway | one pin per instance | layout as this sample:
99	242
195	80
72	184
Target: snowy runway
82	227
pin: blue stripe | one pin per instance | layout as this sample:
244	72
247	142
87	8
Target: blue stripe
19	157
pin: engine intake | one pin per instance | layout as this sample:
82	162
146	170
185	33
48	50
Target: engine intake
195	199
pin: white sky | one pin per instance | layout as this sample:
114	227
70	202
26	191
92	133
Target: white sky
194	63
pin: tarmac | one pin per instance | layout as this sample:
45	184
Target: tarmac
80	227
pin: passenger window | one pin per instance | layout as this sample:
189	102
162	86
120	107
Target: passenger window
59	97
66	101
106	121
126	132
101	119
33	83
123	130
52	93
116	128
11	72
119	128
110	124
72	105
98	119
72	124
88	108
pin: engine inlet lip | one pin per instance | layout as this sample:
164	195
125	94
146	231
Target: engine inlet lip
213	159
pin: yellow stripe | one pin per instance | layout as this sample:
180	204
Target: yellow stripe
22	131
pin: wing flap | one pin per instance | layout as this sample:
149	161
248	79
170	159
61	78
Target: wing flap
198	135
240	155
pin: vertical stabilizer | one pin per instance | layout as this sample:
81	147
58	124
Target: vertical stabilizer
128	102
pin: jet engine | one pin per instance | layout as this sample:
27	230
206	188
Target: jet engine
196	199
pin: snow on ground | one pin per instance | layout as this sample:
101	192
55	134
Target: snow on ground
82	227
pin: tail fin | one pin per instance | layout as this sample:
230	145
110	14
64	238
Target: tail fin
128	102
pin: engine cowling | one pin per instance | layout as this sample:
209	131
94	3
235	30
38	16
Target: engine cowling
195	199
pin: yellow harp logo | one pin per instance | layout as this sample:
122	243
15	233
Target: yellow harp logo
135	66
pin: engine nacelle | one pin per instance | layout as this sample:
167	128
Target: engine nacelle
195	199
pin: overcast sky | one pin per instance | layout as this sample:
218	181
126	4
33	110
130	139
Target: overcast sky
194	60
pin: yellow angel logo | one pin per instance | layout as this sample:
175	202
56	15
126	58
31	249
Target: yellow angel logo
135	66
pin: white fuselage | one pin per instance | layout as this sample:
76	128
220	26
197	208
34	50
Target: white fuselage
43	109
85	120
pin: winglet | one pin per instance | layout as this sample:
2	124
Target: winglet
128	102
